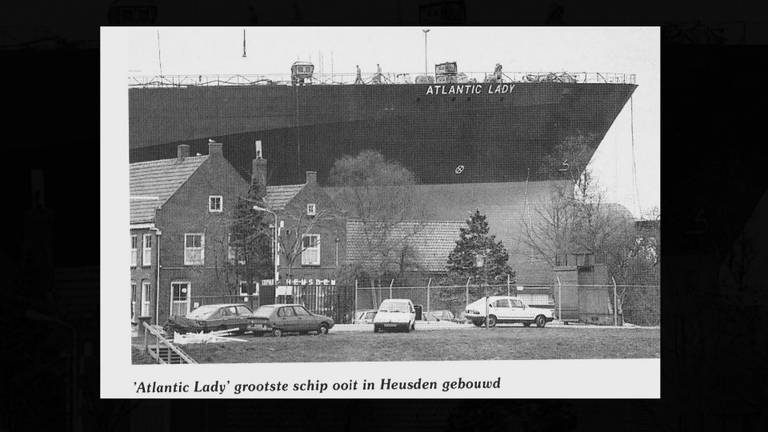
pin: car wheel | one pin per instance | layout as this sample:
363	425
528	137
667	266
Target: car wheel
375	328
540	321
276	332
492	321
323	329
413	325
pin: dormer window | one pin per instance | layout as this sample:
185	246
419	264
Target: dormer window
311	209
215	203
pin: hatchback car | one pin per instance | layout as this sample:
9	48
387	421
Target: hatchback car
439	315
364	317
288	318
503	309
212	318
395	314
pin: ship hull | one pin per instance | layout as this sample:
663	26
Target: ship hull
486	133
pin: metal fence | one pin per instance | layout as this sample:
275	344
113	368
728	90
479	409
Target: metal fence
454	298
591	304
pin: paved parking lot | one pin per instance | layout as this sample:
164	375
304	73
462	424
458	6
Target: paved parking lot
445	341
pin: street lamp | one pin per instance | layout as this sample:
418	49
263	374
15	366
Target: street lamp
426	69
480	263
274	249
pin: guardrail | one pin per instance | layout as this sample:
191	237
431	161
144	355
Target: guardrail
375	79
154	352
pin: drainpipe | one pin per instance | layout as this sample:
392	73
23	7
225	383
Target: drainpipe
158	233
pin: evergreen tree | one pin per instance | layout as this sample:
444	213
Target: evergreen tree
250	238
474	240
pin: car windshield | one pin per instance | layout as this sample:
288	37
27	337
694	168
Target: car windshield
394	307
264	311
203	312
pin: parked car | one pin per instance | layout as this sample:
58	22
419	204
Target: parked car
503	309
212	317
288	318
395	314
439	315
364	316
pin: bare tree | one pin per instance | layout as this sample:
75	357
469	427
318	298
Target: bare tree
380	195
292	239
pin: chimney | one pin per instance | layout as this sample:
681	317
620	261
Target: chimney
215	148
259	168
182	151
312	177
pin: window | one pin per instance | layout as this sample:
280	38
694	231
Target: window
146	252
134	250
194	249
311	209
501	303
300	311
243	285
180	298
516	303
215	203
145	298
242	310
285	312
133	300
310	244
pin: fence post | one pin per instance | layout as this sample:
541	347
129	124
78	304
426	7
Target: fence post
615	303
559	299
429	282
354	313
467	289
507	285
390	287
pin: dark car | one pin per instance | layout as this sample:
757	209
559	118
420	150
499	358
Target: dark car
212	318
288	318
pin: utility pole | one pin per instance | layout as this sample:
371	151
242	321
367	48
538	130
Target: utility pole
426	69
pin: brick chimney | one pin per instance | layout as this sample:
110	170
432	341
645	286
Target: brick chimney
182	151
259	168
311	177
215	148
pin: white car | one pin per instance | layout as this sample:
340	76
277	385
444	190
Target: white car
395	314
503	309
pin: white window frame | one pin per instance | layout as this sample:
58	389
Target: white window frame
146	298
311	209
211	199
134	250
133	300
306	254
201	249
146	252
189	296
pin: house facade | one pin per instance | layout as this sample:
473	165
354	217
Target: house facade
179	223
311	233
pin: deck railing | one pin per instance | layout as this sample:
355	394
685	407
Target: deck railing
374	79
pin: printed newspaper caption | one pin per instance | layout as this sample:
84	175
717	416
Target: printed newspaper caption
228	387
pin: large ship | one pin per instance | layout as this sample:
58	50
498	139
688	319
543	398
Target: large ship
449	127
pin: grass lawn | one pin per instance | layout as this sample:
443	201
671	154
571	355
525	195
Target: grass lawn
501	343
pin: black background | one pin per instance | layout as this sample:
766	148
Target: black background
713	175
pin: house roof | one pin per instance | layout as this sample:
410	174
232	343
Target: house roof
431	241
153	182
279	196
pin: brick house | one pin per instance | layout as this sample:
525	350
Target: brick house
311	235
181	205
